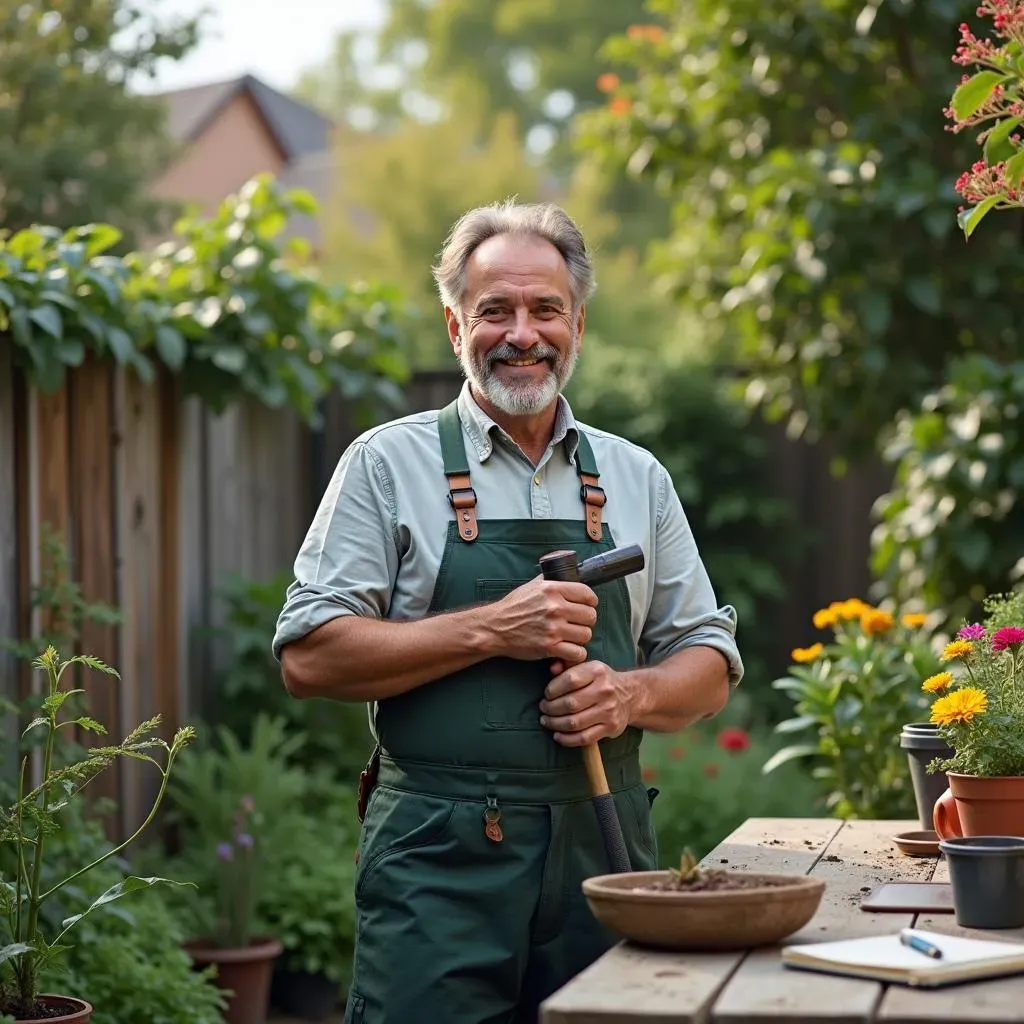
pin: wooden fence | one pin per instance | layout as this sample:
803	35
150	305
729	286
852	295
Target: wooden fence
159	500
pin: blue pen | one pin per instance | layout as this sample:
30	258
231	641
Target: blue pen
908	938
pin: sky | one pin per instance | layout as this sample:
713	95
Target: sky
275	40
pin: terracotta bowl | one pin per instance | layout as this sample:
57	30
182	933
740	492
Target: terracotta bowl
705	921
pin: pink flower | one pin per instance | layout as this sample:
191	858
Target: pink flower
975	631
1008	636
734	739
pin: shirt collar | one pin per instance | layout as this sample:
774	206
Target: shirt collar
480	427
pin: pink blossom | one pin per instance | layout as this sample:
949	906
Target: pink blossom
1008	636
974	631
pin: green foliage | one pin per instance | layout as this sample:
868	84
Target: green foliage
814	224
707	790
851	697
950	526
681	412
29	821
223	305
250	686
980	709
77	144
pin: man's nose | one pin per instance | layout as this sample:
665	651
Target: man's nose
523	331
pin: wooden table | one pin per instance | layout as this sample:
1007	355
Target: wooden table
631	985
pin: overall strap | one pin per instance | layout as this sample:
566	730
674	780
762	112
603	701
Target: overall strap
461	495
593	496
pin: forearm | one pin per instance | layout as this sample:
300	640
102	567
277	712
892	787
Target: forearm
353	658
687	686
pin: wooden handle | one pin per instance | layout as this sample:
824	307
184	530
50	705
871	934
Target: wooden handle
595	770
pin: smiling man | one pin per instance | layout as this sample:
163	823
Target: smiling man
417	591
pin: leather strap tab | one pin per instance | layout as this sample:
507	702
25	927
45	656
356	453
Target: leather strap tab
594	499
462	499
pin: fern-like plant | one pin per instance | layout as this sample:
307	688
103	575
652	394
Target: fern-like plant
25	825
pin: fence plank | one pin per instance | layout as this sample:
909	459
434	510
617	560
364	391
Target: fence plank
91	442
8	524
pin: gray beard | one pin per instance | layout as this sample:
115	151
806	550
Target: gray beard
519	399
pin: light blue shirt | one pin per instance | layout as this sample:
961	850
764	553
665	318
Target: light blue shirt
375	545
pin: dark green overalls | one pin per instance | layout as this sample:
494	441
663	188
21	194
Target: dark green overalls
479	829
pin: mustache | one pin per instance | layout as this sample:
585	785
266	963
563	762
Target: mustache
506	351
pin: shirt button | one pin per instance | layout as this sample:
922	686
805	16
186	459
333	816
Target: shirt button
536	481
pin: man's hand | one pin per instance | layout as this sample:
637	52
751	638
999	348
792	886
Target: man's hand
544	619
586	703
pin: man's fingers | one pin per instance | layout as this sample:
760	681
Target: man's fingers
578	721
584	738
570	654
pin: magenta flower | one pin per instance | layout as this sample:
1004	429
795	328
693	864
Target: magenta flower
975	631
1008	636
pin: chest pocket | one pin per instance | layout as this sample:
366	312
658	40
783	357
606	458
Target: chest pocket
512	688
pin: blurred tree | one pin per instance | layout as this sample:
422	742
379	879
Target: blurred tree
76	146
814	225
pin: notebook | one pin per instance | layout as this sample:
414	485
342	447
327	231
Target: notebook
885	958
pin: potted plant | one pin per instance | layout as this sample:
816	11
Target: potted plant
854	694
979	711
986	874
35	815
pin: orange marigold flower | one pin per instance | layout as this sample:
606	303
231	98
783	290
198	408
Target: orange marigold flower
874	620
956	649
710	770
649	774
914	620
805	655
825	617
651	32
937	683
677	752
608	82
851	608
620	106
959	706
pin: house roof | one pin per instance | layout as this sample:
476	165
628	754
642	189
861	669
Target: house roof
298	128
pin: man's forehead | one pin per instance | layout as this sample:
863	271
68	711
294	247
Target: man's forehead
517	262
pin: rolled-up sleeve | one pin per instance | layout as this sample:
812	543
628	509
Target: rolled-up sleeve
348	562
683	610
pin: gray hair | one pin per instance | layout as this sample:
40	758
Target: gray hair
542	220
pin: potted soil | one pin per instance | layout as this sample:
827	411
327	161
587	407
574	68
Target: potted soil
701	909
986	874
922	742
979	711
244	962
34	816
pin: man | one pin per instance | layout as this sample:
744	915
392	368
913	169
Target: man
417	590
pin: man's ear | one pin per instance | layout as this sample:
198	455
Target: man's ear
451	318
581	323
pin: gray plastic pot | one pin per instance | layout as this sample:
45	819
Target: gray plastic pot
922	743
987	877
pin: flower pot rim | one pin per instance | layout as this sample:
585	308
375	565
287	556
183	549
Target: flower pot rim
260	947
80	1007
985	778
989	846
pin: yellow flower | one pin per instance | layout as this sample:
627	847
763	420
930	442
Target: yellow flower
956	649
825	617
874	620
914	620
937	683
959	706
803	655
852	608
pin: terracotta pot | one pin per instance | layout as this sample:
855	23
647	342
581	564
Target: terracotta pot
976	806
76	1011
245	973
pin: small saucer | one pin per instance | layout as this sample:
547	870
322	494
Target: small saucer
918	844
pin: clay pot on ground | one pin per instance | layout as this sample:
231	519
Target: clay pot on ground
67	1010
246	973
923	743
986	874
304	995
978	806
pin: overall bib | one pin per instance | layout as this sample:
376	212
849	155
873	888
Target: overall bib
479	830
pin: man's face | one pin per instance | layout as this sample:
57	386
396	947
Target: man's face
517	340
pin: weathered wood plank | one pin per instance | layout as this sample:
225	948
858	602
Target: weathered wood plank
9	592
859	858
168	695
629	985
92	485
139	522
994	1000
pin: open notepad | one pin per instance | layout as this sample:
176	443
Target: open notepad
885	958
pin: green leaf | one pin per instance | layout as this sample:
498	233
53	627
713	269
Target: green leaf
13	950
924	293
120	344
171	346
123	888
973	94
997	144
796	724
71	353
91	725
1014	170
49	319
99	238
781	757
34	724
970	218
6	296
875	312
233	359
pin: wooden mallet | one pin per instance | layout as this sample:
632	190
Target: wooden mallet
603	568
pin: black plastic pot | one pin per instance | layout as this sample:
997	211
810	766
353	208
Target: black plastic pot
987	877
303	995
922	743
